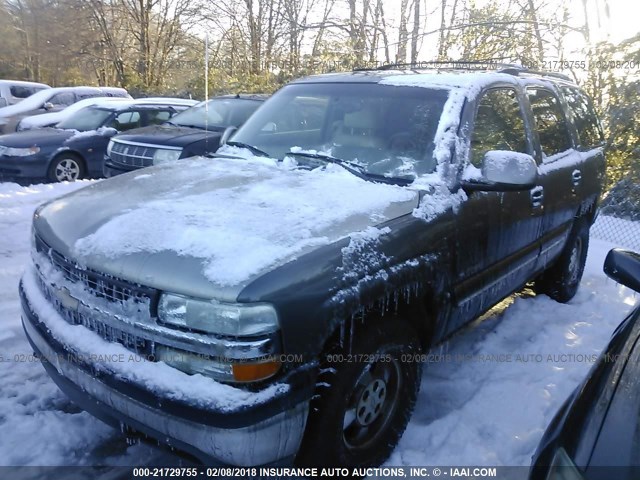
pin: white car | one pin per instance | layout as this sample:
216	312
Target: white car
52	100
53	118
14	91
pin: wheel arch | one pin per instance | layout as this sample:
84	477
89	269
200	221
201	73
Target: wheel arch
414	300
67	151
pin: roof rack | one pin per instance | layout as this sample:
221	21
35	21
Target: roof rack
488	64
475	65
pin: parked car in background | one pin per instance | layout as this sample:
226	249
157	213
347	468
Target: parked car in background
76	147
596	433
281	294
14	91
196	131
52	100
51	119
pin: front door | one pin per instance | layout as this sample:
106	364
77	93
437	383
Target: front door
498	231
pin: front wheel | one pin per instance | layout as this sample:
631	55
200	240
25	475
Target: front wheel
66	168
364	398
561	281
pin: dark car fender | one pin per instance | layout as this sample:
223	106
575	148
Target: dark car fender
339	287
61	150
201	147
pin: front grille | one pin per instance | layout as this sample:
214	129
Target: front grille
132	155
99	284
135	298
104	330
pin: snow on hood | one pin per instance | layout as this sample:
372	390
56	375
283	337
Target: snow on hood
241	216
88	133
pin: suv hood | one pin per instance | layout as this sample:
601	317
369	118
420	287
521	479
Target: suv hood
168	135
207	228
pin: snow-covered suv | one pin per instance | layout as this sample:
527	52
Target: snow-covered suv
271	304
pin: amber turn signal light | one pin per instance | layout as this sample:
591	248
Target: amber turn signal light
251	372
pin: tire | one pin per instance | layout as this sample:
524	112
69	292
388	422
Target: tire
561	281
66	167
361	408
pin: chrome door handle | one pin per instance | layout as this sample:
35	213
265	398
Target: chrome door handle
576	176
537	196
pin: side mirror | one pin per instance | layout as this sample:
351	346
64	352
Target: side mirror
227	134
48	106
3	102
623	266
504	170
108	132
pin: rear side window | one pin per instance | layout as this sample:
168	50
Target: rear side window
499	125
584	116
549	120
63	99
19	91
158	117
126	121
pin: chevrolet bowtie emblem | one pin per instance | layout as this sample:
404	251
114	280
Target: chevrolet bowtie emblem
67	300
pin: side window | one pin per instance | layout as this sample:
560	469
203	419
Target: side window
550	121
63	99
18	91
499	125
158	117
126	121
584	116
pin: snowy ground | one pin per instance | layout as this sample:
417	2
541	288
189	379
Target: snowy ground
490	408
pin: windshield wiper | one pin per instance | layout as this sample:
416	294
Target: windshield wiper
355	168
254	150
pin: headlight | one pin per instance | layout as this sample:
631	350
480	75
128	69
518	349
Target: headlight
163	156
243	322
109	147
235	320
19	152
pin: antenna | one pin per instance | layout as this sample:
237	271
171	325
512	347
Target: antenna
206	87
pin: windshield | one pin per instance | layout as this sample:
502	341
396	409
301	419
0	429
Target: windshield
385	130
89	118
217	113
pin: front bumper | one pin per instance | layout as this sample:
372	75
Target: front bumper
265	433
110	169
34	167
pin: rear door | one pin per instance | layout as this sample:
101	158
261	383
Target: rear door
589	174
559	170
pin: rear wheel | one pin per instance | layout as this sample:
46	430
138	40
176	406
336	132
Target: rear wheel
364	398
66	167
562	280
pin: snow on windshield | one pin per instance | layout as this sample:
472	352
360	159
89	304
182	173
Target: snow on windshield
241	217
